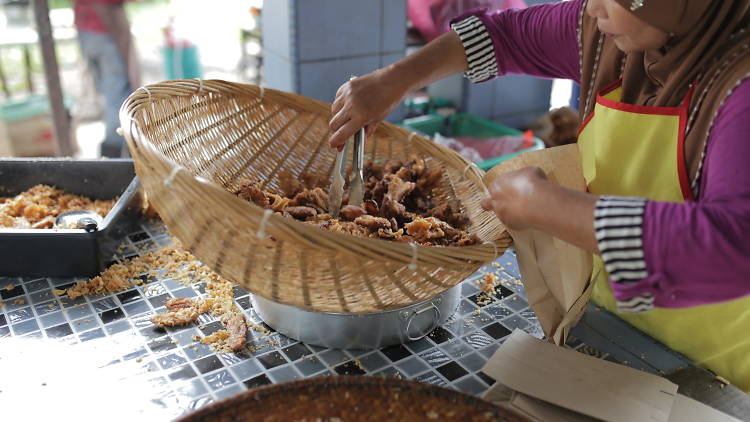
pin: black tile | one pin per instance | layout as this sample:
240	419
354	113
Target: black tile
129	296
496	330
272	360
502	291
452	371
486	378
244	302
3	321
440	335
137	237
349	368
396	352
161	344
58	331
4	332
296	351
158	301
258	381
65	286
14	292
239	291
208	364
153	331
112	315
186	372
211	327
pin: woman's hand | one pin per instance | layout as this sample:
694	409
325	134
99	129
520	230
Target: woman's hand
367	100
364	102
512	195
526	199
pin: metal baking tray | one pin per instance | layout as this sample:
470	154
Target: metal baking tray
69	252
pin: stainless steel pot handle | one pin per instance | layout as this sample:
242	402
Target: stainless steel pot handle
434	325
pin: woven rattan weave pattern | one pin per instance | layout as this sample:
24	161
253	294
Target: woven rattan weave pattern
193	140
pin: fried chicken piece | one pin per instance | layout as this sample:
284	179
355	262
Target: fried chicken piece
278	202
351	212
390	234
373	170
301	212
178	303
348	227
312	181
237	329
398	188
289	184
425	229
316	198
429	180
392	166
182	316
405	173
371	207
450	212
373	222
392	208
417	166
251	191
379	190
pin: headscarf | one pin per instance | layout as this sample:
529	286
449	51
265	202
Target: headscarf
709	46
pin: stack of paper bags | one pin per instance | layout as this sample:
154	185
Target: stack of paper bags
548	383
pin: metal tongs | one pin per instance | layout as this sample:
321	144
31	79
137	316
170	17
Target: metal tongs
356	183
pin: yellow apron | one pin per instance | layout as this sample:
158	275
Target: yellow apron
631	150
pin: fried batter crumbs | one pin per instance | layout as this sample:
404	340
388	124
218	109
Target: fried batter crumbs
488	288
178	264
398	205
37	208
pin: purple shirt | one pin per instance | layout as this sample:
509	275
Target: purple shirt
694	252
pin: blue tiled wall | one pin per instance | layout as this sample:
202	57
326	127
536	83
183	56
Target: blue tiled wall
313	46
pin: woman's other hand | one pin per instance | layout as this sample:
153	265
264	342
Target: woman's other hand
512	195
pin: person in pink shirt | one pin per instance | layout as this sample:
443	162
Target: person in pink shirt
665	145
106	44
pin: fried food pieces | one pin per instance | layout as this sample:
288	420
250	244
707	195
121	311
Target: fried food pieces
399	205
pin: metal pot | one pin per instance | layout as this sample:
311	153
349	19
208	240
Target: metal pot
359	331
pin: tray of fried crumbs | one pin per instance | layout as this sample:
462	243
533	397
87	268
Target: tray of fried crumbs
353	399
33	192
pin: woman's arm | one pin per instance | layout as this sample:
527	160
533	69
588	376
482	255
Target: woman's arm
540	40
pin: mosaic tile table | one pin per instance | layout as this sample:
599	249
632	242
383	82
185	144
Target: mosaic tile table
99	353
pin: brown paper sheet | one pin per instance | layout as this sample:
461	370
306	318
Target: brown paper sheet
547	383
555	273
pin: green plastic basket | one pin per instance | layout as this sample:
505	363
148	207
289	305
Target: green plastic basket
464	124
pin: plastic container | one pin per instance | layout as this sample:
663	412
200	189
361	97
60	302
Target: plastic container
26	128
469	125
69	252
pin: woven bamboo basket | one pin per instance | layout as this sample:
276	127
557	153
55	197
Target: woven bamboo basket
192	140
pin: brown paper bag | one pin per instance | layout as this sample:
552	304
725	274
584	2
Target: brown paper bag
555	273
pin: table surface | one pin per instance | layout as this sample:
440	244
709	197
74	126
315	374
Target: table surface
100	354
